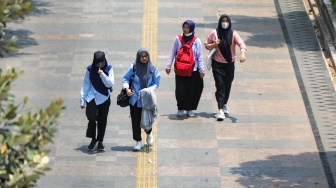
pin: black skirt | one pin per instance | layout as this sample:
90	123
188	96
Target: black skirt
188	91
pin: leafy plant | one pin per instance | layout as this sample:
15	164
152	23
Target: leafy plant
11	10
333	3
23	133
23	136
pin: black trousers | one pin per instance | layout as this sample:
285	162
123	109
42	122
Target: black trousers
97	116
188	91
136	119
223	74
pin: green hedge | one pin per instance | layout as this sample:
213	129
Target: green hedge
333	2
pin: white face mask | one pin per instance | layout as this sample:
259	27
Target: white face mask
225	25
189	34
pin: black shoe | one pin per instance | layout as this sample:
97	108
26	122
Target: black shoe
92	145
100	146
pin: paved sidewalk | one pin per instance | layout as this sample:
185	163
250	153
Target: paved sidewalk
274	135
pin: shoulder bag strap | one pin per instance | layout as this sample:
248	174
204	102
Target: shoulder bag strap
133	74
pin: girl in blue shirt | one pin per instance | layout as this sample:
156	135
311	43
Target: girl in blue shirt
146	75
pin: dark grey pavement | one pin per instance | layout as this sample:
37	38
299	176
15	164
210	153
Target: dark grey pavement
280	131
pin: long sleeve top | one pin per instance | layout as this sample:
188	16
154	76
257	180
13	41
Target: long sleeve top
88	92
198	54
153	81
149	108
236	40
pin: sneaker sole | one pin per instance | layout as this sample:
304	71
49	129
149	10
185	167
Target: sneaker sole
220	119
137	149
150	143
101	149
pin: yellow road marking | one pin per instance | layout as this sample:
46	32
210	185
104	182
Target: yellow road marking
149	28
146	170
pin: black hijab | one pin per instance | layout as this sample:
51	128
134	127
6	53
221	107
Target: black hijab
143	70
191	30
99	59
225	35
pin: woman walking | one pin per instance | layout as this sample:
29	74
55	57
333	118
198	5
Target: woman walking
188	90
223	61
146	76
95	95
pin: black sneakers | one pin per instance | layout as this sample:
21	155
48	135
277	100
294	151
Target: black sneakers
92	145
100	147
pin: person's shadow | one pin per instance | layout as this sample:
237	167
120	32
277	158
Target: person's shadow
122	148
114	148
232	118
84	150
175	117
206	115
145	148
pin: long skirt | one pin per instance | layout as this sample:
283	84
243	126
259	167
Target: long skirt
188	91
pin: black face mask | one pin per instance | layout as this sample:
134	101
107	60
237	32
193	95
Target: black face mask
100	64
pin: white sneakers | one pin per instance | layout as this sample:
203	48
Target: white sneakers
138	146
220	116
226	109
150	139
180	113
190	114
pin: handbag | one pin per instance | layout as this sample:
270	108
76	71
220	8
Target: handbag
123	98
209	56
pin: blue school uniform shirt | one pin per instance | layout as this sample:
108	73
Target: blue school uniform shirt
153	81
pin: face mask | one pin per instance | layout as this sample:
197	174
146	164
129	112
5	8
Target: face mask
100	64
225	25
189	34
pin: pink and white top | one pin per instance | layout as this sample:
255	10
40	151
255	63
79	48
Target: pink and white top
236	40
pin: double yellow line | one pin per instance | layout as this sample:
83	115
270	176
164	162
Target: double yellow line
146	169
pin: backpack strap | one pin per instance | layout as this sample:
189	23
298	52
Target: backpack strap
190	42
181	40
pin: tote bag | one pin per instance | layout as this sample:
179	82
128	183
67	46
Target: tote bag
209	56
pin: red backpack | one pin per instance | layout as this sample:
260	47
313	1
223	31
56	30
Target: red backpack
184	60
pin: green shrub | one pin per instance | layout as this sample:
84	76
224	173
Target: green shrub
23	136
11	10
333	3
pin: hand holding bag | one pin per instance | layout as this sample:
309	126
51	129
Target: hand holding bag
209	56
123	98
